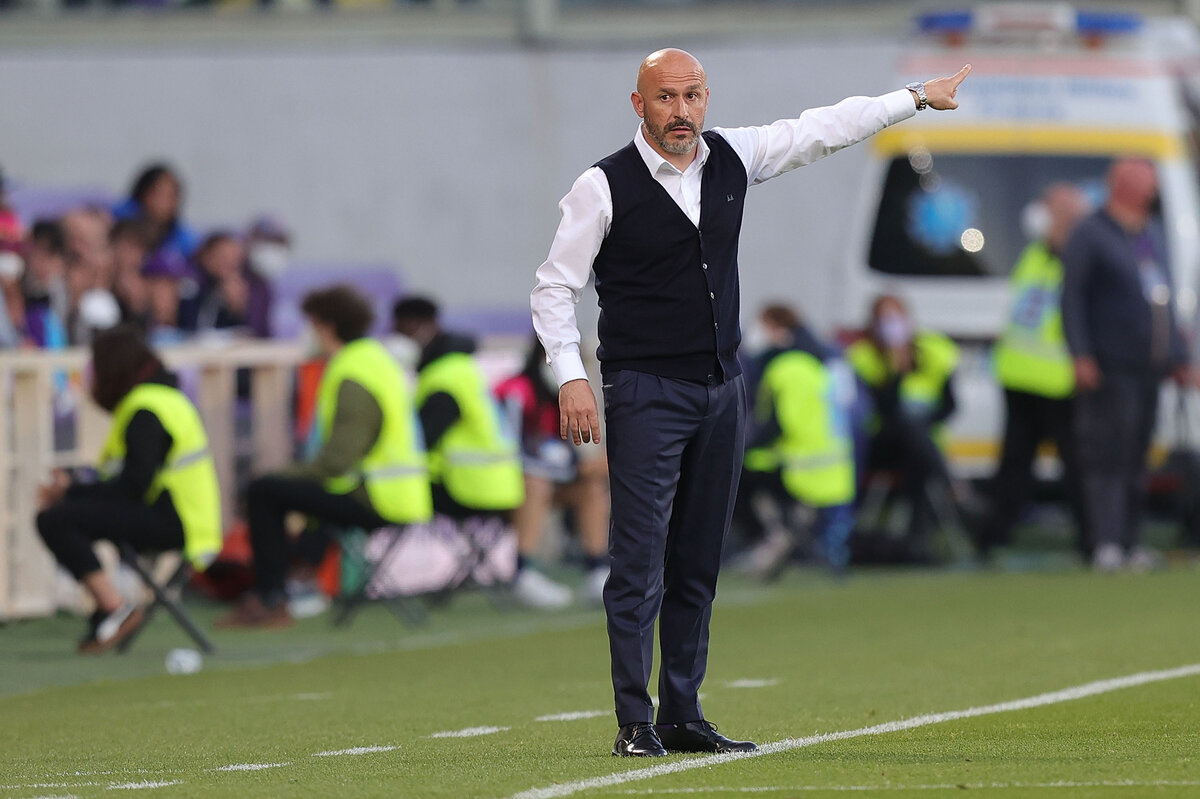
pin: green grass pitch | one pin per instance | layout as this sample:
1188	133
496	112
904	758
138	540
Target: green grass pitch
802	657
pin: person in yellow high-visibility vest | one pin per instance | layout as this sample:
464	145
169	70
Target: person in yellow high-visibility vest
909	372
474	460
1034	367
369	468
800	450
157	489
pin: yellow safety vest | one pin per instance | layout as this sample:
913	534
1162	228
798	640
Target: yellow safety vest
1031	354
188	472
476	460
815	450
394	471
935	360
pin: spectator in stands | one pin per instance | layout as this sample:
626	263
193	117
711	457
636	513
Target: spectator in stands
156	198
47	300
474	466
268	248
800	450
85	231
11	229
158	489
555	474
130	245
231	296
1034	368
909	373
368	469
164	271
12	301
1119	317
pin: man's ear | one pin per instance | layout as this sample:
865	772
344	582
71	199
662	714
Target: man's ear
639	106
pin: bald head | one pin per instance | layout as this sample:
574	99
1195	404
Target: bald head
670	63
671	99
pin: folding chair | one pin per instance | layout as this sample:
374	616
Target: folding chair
354	542
166	596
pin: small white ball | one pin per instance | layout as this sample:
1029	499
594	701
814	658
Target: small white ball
184	661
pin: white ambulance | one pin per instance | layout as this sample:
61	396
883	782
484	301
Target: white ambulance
1055	94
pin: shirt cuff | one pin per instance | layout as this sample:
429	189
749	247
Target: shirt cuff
568	366
900	105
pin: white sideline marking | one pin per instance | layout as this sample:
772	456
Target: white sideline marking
752	683
937	787
469	732
138	786
355	750
250	766
708	761
575	716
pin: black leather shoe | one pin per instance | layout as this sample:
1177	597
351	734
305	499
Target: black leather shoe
699	736
638	740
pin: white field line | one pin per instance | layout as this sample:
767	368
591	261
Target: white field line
708	761
752	683
251	766
355	750
469	732
143	785
936	787
574	716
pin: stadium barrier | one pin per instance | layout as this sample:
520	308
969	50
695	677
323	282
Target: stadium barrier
49	422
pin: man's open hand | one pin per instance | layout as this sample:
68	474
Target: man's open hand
578	416
940	92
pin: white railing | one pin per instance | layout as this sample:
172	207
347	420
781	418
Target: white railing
48	421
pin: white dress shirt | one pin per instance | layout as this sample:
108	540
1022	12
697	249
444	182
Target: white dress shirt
766	152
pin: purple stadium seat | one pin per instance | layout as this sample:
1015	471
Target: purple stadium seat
380	282
45	202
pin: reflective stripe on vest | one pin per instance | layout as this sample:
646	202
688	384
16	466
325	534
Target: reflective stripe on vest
1031	354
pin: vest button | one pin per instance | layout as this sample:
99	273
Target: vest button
711	380
716	326
712	296
704	266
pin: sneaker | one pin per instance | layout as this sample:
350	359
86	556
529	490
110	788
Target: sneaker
536	590
252	613
1142	560
766	559
1108	558
593	585
113	628
305	599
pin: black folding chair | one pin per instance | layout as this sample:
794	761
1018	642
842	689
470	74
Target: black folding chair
166	596
354	541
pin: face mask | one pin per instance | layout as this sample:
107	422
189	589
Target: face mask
269	258
894	330
757	338
98	309
404	350
1035	221
547	375
11	265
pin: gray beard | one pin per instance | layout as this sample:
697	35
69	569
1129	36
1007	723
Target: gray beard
675	148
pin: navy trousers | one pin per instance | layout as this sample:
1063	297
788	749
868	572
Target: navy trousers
674	458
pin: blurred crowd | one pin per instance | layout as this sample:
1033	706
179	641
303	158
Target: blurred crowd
138	262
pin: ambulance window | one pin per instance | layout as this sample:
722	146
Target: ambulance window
960	214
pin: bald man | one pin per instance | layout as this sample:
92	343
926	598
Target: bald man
1119	320
658	222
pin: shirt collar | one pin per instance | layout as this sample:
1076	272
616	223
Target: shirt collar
656	163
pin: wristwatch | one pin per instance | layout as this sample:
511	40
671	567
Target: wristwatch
918	88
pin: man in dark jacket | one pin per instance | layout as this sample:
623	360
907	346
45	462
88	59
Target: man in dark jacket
1119	320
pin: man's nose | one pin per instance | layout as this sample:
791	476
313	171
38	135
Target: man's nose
681	108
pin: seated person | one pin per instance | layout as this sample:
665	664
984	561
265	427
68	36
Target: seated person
368	470
158	489
474	466
555	474
909	373
800	449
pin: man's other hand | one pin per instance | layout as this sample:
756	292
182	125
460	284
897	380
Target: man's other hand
578	416
1087	374
940	92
